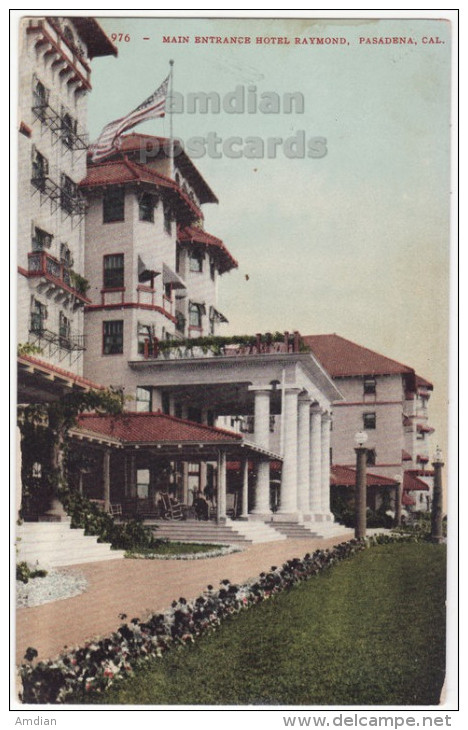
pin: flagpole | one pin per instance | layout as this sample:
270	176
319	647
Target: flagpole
171	131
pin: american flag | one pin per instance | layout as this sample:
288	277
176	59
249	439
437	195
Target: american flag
152	108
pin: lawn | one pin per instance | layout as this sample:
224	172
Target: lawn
371	630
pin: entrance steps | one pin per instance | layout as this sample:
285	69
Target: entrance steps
231	532
294	530
56	544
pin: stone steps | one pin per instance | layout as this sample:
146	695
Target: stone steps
56	544
295	530
188	531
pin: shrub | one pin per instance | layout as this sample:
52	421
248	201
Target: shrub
24	572
87	515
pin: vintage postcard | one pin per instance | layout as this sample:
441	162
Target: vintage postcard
233	356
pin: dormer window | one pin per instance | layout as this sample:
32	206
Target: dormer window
196	262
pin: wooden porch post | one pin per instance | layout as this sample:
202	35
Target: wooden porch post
106	479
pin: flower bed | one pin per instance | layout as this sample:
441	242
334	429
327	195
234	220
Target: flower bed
216	552
94	667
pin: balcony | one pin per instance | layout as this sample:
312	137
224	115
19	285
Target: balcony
204	347
55	345
55	278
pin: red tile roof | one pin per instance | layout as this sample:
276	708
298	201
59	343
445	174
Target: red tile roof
407	500
411	483
135	142
124	170
132	427
345	476
188	234
47	367
344	358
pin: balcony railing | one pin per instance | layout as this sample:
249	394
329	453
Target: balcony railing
204	347
63	340
41	263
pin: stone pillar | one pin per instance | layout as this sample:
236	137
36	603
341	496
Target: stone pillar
106	478
262	438
315	471
288	508
325	465
436	513
303	455
360	494
221	500
245	488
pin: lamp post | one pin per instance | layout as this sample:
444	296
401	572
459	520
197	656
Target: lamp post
436	515
360	493
398	496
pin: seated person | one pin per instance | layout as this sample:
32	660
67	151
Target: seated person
201	506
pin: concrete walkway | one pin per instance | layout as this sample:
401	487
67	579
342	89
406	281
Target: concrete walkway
140	587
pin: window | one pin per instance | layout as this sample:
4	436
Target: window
114	271
38	316
68	194
369	385
369	420
41	239
68	129
180	321
64	330
66	257
167	218
113	205
212	269
195	315
40	100
196	262
371	457
144	399
146	205
40	169
145	333
112	337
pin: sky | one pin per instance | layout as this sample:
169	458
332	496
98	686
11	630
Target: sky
355	241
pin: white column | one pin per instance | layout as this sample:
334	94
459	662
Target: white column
262	418
106	479
315	473
325	463
221	500
303	455
245	488
289	478
262	438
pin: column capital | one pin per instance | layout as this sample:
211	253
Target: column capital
260	388
326	416
315	409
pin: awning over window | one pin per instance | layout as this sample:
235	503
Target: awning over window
146	269
170	277
215	315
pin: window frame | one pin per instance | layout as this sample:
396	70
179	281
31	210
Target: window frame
109	205
116	271
369	385
369	420
109	348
